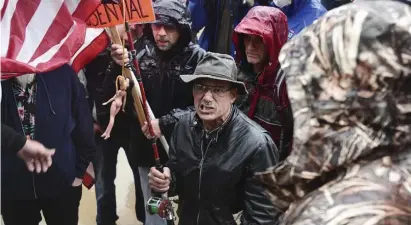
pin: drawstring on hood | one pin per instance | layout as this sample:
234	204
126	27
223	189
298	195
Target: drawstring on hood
47	94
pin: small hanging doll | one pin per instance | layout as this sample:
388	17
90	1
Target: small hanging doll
118	100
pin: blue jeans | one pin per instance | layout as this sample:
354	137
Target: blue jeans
105	169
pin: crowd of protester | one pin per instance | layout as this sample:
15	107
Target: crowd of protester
279	110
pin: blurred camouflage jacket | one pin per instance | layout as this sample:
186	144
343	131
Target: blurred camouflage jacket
349	83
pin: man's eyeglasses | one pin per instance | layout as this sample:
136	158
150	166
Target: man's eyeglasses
215	90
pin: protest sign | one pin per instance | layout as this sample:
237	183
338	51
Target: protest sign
108	15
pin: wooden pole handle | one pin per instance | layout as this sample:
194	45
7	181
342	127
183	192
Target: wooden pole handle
115	37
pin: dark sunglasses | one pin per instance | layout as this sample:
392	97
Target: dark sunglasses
167	27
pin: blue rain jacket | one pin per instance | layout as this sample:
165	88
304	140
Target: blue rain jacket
302	13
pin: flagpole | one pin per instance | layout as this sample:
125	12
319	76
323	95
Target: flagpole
136	92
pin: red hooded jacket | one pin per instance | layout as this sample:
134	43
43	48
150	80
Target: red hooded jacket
267	102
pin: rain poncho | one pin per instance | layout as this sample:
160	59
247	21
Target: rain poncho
348	79
302	13
267	102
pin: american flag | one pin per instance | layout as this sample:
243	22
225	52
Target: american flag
41	35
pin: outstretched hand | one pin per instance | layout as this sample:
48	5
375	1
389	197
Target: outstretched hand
36	156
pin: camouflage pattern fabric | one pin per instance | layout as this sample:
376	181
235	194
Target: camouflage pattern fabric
349	83
369	192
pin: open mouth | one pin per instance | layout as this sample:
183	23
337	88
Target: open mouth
162	42
206	109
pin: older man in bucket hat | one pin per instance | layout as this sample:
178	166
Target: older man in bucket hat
215	151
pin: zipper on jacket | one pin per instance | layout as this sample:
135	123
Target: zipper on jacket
269	123
22	128
201	170
34	186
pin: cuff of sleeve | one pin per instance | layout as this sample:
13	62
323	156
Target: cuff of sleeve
80	173
173	186
19	143
162	124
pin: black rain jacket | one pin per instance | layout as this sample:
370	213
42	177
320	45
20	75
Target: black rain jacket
213	173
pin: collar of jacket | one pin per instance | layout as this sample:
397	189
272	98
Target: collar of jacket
216	133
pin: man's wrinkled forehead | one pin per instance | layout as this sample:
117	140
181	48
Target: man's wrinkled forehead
213	82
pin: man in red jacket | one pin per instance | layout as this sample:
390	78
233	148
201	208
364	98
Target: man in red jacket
258	39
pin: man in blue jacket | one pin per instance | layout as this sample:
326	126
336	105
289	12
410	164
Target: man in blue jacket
51	108
300	13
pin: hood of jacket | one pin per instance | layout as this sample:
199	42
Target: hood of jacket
177	11
271	25
348	80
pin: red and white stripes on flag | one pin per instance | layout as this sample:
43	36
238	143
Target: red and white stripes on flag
41	35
